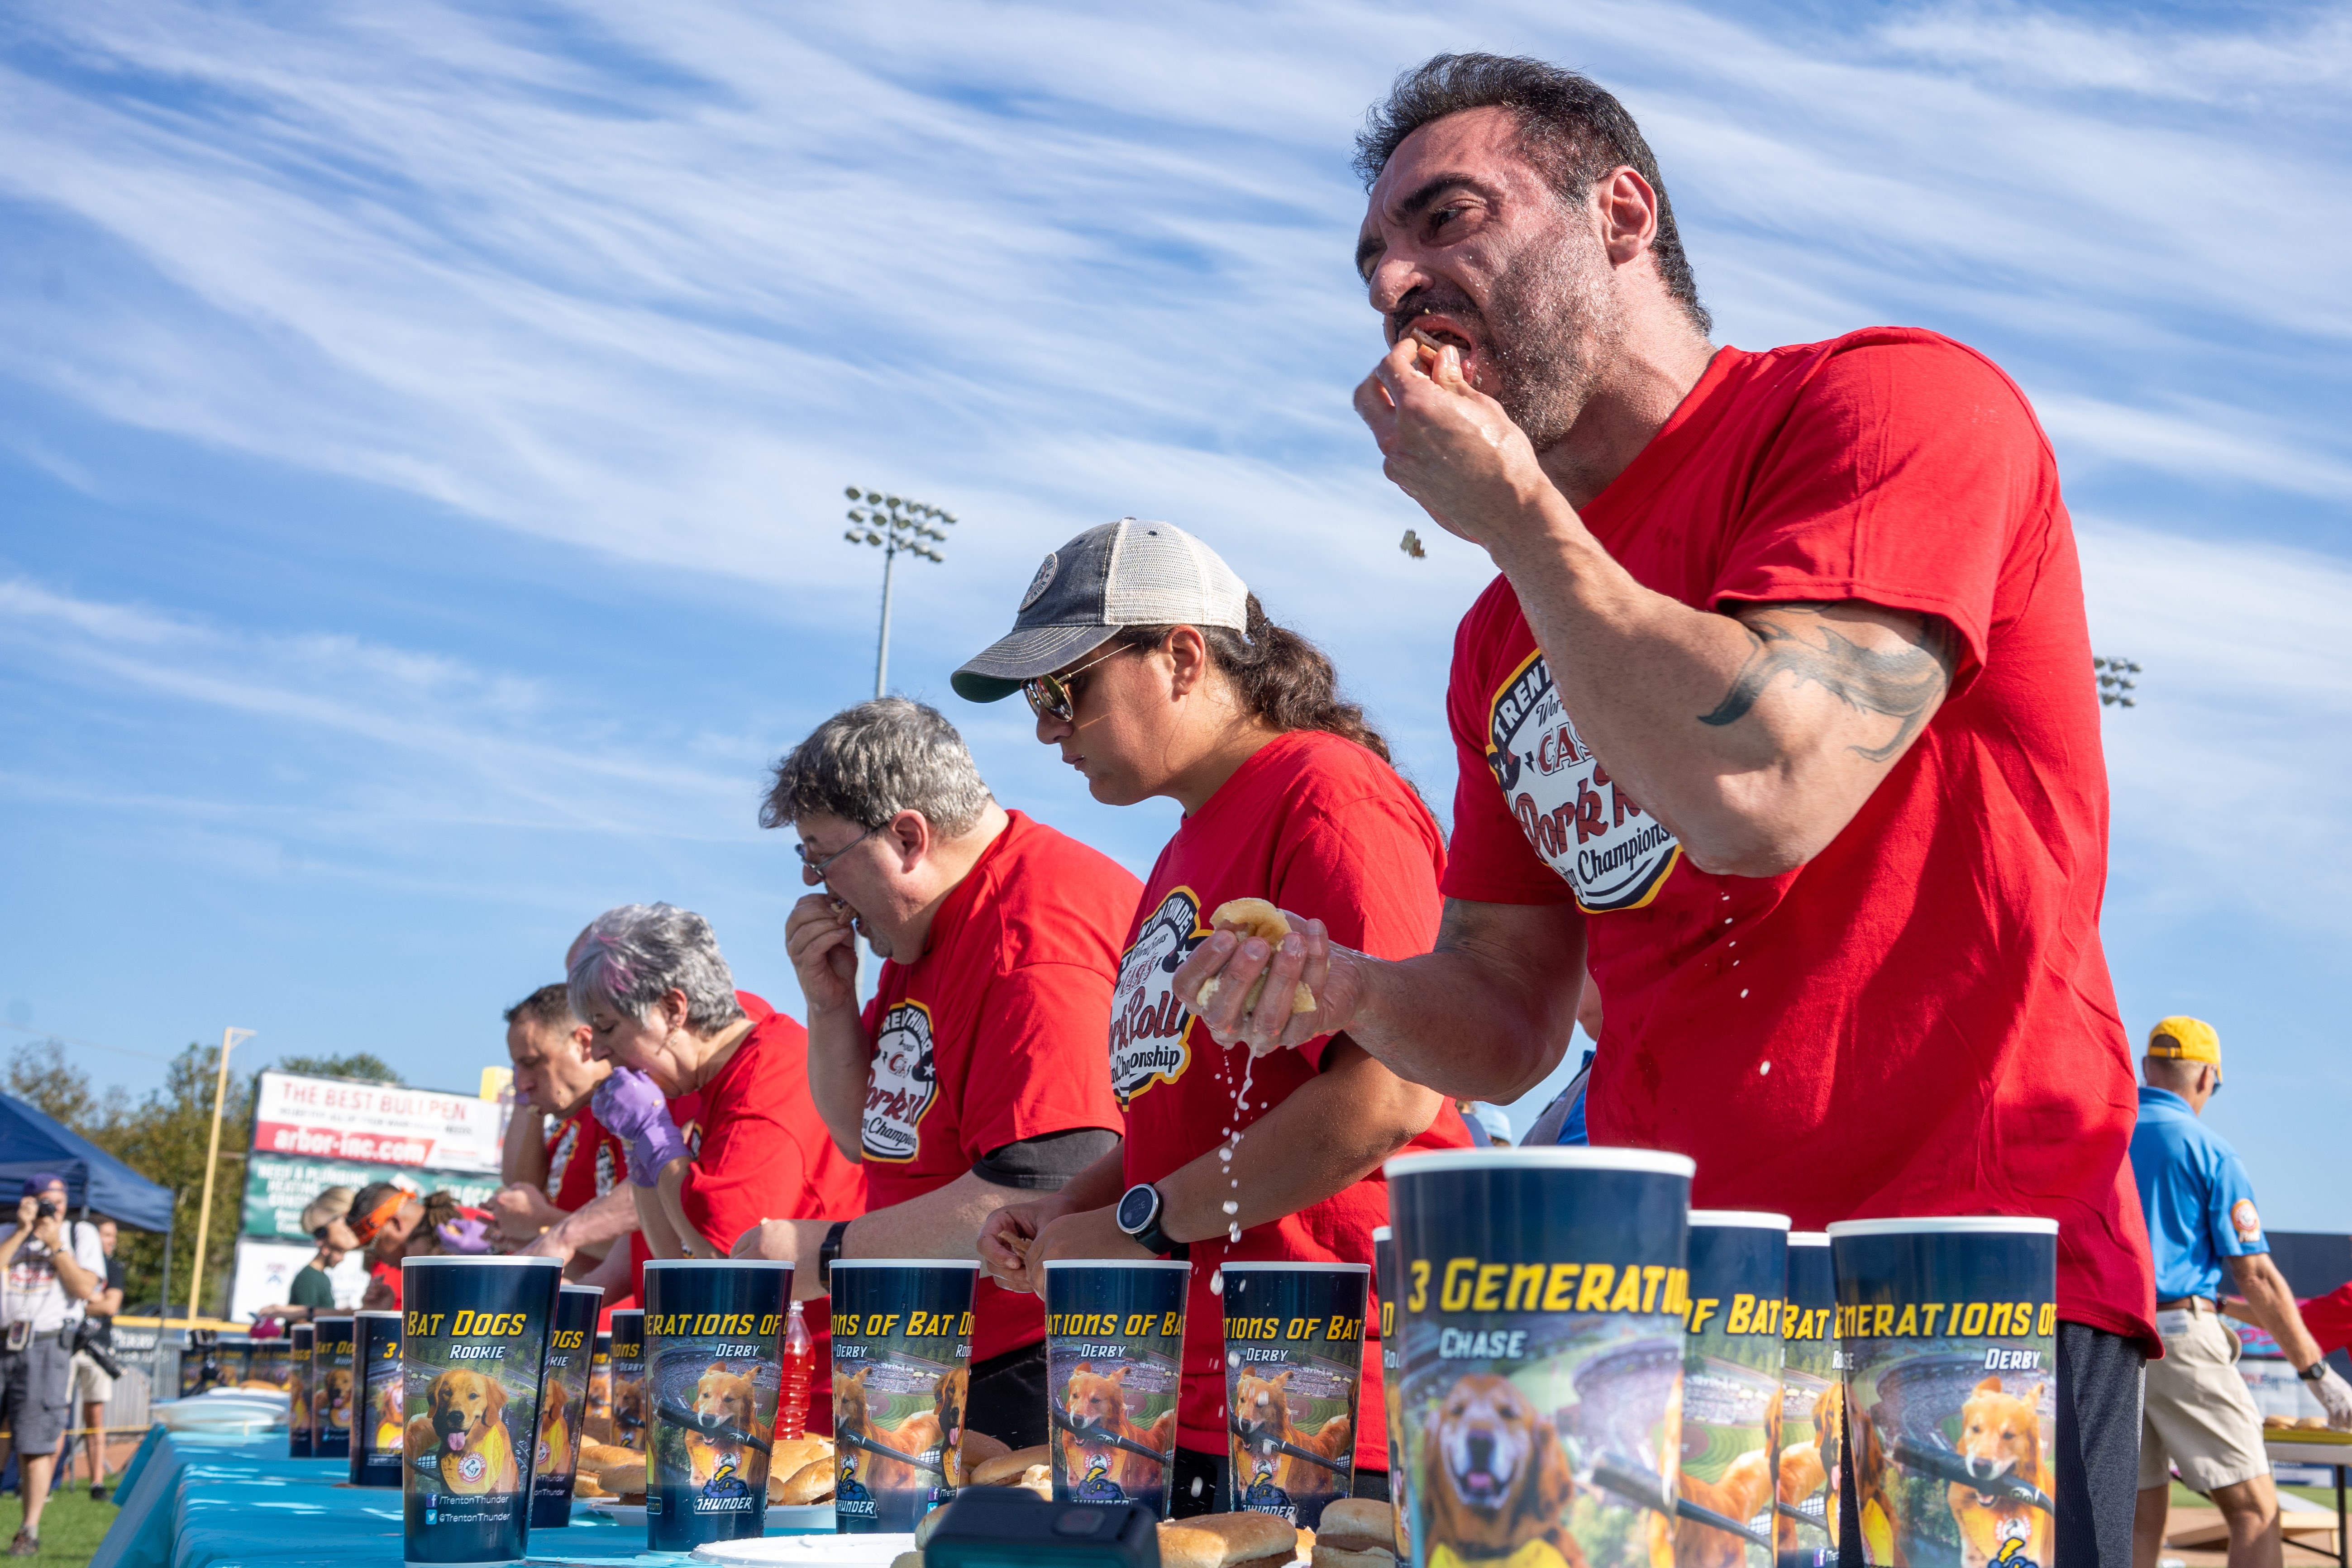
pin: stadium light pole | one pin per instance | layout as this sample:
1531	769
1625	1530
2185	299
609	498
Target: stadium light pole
893	524
230	1039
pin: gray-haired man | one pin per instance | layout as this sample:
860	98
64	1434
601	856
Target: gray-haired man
976	1077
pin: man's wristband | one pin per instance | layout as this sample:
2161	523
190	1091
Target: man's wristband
828	1250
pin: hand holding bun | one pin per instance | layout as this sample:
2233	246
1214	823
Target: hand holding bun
1248	918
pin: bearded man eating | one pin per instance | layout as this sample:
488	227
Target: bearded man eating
1779	715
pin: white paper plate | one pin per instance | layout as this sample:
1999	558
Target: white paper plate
806	1551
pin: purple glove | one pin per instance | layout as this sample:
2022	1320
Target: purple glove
468	1236
633	1106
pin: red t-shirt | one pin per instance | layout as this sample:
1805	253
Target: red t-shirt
585	1162
1322	828
1919	1020
992	1034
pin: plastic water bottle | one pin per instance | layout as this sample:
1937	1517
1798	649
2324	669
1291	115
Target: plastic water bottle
800	1364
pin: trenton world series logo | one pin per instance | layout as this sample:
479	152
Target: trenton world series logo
1587	828
902	1087
1149	1042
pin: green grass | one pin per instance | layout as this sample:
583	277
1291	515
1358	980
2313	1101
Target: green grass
71	1525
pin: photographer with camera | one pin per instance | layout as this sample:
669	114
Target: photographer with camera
46	1277
94	1366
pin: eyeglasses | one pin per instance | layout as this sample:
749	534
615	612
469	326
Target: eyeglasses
1055	696
814	871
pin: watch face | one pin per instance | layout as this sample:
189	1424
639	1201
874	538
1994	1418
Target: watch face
1135	1210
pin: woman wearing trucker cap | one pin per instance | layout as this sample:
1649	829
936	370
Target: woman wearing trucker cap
1155	671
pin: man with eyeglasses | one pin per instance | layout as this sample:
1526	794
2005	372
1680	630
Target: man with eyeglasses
975	1077
2200	1417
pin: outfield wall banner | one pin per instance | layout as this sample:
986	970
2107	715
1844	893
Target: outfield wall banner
376	1123
277	1189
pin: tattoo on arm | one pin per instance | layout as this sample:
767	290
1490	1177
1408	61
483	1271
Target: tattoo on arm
1902	683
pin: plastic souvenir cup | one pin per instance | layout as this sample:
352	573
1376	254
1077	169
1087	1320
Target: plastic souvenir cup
1731	1388
473	1354
713	1363
562	1403
377	1399
298	1383
1386	1287
1293	1359
334	1397
629	1379
1113	1359
902	1374
600	1391
1948	1330
1542	1346
1805	1533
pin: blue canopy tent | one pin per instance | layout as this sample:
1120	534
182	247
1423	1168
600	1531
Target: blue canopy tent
31	1144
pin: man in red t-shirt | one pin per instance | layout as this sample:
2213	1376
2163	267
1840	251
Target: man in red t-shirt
567	1192
974	1079
1780	711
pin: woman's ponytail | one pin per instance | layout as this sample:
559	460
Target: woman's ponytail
1281	678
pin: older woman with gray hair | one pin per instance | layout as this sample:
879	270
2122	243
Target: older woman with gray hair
686	1047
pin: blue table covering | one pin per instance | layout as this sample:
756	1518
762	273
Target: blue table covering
193	1502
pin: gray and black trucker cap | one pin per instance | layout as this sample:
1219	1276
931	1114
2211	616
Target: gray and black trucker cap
1124	573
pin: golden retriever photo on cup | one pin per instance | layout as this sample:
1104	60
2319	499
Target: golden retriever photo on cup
1493	1477
465	1422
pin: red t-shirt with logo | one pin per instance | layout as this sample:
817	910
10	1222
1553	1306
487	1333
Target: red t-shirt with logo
766	1154
1919	1020
994	1033
584	1161
1322	829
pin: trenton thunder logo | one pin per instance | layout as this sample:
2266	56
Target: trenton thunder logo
903	1085
1586	827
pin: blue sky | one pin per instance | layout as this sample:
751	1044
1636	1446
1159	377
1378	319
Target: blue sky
422	435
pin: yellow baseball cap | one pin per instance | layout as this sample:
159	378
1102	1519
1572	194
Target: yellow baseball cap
2186	1039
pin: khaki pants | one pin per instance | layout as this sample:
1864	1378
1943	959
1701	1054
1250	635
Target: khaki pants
2199	1415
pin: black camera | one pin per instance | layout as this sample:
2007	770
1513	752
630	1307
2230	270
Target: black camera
44	1209
95	1339
1005	1527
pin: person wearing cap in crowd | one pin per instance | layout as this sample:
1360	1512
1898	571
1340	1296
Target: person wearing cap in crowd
567	1193
663	1009
1155	671
383	1219
974	1079
2200	1417
311	1292
46	1274
1779	712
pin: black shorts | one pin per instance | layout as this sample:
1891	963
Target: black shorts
2099	1380
37	1393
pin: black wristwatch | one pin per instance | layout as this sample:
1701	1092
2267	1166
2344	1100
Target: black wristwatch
2315	1372
828	1250
1139	1214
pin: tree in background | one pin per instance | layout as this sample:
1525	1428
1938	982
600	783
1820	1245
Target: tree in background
364	1065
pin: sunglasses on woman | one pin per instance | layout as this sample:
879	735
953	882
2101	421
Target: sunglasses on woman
1055	696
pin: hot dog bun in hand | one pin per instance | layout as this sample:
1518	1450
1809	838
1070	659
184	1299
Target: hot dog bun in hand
1248	918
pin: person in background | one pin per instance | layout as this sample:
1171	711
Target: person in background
46	1274
974	1079
1156	672
567	1192
450	1227
2200	1415
93	1387
664	1010
311	1292
383	1219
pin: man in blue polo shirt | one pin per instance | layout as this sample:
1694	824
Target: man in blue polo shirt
2198	1415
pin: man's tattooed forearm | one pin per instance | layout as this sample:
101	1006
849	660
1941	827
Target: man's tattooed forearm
1902	683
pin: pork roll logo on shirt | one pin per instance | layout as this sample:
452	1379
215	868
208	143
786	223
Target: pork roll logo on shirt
1147	1040
1583	825
904	1083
